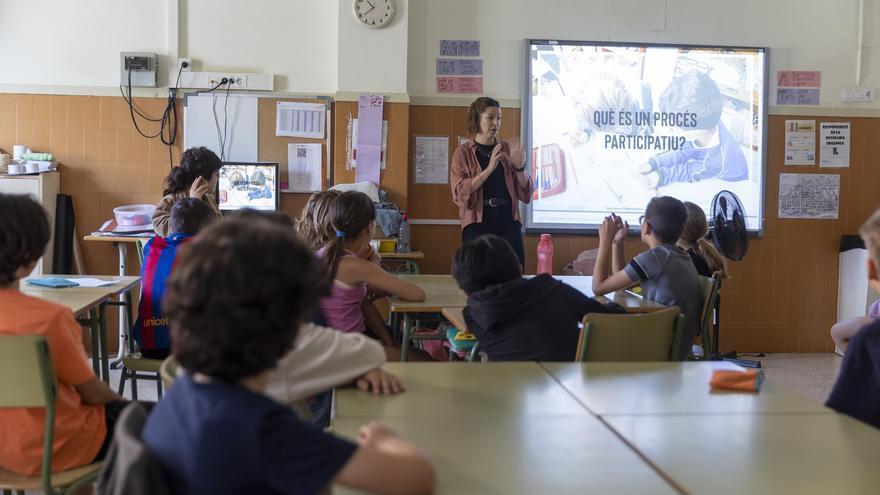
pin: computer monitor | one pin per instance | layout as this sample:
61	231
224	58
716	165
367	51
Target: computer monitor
248	185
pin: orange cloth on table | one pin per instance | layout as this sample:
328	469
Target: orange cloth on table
741	381
79	428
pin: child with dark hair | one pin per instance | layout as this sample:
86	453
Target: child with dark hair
150	331
214	431
195	177
665	272
857	390
516	318
352	217
711	150
85	409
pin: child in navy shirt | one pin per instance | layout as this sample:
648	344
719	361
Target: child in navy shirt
857	391
234	302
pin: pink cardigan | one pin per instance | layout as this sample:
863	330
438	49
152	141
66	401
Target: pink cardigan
465	167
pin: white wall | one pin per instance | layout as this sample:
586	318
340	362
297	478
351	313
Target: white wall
294	40
75	43
802	34
315	46
373	60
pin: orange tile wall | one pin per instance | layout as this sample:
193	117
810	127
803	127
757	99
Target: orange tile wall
781	298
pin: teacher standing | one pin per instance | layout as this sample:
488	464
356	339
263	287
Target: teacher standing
489	179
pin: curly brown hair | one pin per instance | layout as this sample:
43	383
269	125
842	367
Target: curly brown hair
24	233
195	163
237	295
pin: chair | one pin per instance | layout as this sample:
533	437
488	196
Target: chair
28	380
711	287
168	371
631	337
133	365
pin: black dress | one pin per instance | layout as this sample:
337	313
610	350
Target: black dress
498	219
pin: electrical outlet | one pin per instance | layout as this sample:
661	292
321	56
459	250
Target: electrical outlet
185	64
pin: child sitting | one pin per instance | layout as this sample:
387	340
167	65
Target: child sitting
707	260
85	407
312	225
857	390
516	318
188	216
235	303
665	272
195	177
352	217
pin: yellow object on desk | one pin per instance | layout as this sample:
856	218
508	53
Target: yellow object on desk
384	245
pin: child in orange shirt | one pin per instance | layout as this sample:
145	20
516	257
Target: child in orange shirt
85	408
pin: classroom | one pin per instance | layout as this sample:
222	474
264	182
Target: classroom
450	247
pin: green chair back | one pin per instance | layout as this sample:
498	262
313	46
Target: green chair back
711	287
168	371
28	380
652	336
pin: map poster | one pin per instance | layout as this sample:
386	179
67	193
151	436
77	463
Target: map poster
809	196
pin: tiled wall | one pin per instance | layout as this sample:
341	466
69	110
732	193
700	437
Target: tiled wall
781	298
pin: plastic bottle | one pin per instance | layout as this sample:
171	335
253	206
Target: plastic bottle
545	254
403	236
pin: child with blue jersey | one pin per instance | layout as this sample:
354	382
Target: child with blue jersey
151	332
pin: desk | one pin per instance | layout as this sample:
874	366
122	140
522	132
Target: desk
758	453
570	455
631	302
121	244
89	303
406	262
441	291
670	388
464	390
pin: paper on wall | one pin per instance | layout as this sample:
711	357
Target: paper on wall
834	144
809	196
800	142
352	159
297	119
304	167
432	160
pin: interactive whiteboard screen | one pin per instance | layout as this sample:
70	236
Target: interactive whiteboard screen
611	125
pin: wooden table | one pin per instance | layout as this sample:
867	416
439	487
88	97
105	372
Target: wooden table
670	388
462	390
740	454
121	244
441	291
502	428
89	304
559	455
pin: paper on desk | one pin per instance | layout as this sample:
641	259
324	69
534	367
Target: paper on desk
92	282
304	167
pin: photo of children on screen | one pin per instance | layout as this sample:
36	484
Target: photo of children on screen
710	151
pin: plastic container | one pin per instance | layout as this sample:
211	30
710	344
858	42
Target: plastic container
545	254
403	236
134	215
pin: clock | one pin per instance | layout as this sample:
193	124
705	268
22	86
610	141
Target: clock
374	13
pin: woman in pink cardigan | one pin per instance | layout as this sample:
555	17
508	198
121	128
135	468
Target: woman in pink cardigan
489	179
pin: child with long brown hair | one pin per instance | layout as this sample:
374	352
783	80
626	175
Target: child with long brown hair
352	218
312	224
706	258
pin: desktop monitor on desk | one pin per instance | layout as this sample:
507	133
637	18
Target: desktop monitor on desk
248	185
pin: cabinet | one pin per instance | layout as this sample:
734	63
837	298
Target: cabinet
44	188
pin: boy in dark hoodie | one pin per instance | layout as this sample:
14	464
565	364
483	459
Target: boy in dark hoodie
516	318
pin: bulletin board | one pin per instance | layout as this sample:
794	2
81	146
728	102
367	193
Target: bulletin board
272	148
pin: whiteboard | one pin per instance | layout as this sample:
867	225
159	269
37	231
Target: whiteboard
204	113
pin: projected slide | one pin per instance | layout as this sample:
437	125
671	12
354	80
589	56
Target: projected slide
614	125
245	185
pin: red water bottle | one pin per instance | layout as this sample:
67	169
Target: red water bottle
545	254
